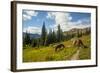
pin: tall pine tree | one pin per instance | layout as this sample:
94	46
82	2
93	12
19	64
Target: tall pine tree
43	34
49	37
54	37
59	34
26	40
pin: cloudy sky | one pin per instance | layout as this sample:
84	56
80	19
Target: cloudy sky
32	20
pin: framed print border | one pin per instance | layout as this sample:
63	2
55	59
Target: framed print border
14	35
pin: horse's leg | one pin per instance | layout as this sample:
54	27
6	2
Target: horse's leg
57	49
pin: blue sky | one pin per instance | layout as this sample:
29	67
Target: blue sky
32	20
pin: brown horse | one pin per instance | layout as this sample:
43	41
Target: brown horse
59	46
78	43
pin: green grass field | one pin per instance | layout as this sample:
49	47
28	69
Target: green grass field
48	53
85	53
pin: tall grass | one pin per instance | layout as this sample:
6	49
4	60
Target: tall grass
48	53
85	53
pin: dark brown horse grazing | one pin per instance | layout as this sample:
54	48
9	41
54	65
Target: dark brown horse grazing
59	46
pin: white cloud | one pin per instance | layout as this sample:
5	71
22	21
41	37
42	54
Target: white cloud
51	15
31	13
64	20
60	18
70	18
31	29
27	15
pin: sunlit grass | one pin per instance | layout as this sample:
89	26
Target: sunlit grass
48	53
85	53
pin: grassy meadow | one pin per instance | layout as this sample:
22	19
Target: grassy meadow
55	35
47	53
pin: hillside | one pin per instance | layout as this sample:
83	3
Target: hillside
48	54
78	30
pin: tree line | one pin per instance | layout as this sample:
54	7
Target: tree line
52	37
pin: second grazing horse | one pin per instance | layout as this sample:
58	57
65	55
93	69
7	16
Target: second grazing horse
59	46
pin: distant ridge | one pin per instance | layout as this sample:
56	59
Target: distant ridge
32	35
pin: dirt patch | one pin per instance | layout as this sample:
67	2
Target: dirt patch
75	56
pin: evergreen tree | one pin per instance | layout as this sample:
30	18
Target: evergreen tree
54	37
27	39
43	34
34	43
59	34
77	34
49	37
